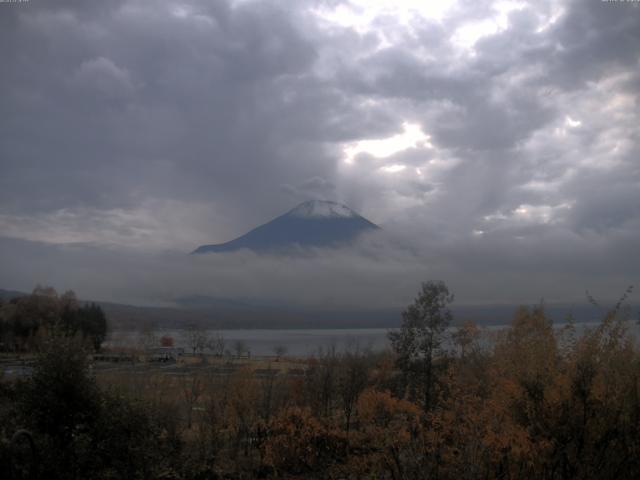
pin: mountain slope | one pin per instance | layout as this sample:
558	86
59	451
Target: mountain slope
311	224
9	294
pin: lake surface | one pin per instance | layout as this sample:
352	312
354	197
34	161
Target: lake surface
301	342
298	342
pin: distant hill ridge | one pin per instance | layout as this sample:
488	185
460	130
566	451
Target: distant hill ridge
10	294
244	313
315	223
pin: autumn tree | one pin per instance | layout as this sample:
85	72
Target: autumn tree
352	380
26	318
527	354
321	380
303	446
216	344
93	324
465	338
195	338
147	336
420	337
280	351
388	429
242	409
240	347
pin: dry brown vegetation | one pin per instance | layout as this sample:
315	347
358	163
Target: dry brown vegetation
538	403
533	401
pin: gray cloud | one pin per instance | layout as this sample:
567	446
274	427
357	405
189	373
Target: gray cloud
151	126
316	188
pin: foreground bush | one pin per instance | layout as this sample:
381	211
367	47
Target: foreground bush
533	402
81	431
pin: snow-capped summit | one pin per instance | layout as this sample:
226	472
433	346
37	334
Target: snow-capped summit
322	209
314	223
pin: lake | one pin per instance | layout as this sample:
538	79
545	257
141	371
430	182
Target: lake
297	342
300	342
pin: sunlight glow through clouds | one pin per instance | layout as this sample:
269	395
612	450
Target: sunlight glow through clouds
467	35
360	14
532	214
393	168
540	213
411	137
571	123
556	13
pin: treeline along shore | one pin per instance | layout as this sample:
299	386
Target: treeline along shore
536	402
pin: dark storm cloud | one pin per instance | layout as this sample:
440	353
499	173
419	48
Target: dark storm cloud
158	125
136	101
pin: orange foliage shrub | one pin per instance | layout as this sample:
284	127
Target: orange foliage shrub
299	443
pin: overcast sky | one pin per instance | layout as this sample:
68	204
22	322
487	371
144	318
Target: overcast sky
498	140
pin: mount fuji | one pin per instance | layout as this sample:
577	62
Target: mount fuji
314	223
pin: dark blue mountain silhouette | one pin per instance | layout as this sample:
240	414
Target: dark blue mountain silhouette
311	224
